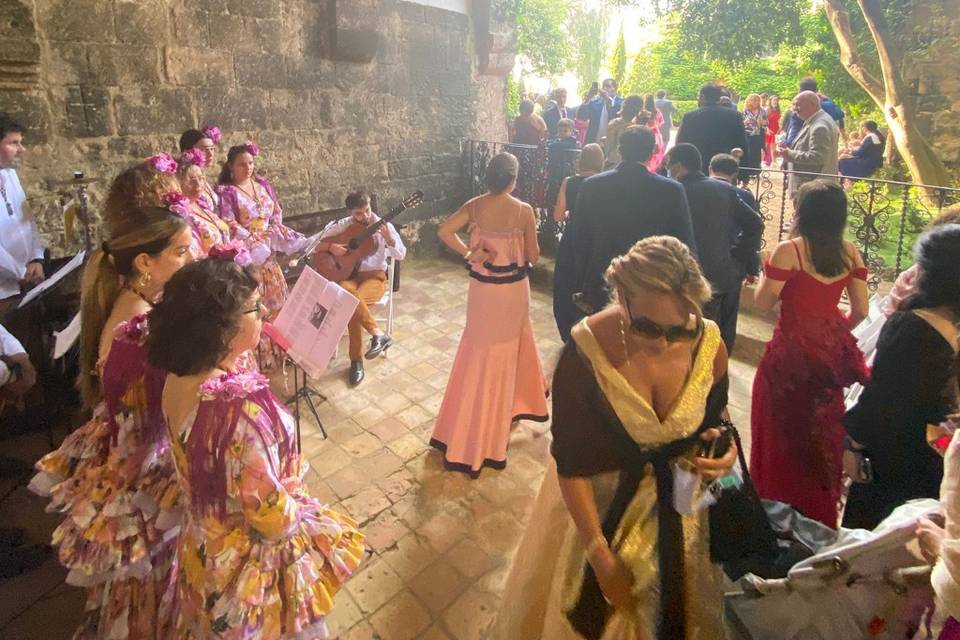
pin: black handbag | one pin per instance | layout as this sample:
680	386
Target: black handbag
739	526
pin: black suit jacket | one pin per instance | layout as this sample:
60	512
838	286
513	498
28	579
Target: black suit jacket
614	210
726	229
712	130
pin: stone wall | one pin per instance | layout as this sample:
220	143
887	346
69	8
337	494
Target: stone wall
932	57
336	93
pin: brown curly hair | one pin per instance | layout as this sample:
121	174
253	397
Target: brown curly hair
139	186
199	314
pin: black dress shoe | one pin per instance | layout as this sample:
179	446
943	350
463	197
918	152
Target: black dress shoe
378	344
356	372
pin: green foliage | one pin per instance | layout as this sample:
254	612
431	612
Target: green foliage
588	35
514	95
618	59
541	33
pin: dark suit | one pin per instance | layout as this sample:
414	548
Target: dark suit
614	210
713	129
552	116
728	234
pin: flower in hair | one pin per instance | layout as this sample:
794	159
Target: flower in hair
196	157
163	162
177	203
233	250
212	132
251	147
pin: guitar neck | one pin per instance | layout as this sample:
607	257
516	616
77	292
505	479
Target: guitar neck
372	229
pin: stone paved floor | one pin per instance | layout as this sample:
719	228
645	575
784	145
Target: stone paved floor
441	543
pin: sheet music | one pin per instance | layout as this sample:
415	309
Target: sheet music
66	338
314	317
53	280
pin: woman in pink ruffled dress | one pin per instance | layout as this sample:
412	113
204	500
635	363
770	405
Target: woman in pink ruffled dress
497	377
113	477
652	119
259	557
250	203
209	229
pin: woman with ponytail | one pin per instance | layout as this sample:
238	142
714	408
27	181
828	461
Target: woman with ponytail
113	477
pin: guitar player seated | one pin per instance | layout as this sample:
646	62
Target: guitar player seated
369	282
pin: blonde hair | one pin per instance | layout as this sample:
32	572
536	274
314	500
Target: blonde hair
139	186
750	99
661	264
591	159
148	230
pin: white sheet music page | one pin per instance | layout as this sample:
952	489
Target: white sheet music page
313	318
53	280
66	338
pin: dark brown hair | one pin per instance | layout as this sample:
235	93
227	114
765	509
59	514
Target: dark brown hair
199	314
139	186
501	172
357	199
821	217
226	176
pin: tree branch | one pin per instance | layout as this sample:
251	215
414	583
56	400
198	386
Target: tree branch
839	19
888	67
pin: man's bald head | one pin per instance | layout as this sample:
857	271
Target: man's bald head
806	104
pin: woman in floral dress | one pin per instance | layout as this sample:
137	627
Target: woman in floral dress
204	141
259	558
209	229
250	202
112	478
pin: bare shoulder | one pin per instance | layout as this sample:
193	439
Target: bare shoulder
854	253
785	255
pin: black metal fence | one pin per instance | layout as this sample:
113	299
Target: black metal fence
885	216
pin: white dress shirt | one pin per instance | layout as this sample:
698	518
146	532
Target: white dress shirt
9	346
19	240
376	261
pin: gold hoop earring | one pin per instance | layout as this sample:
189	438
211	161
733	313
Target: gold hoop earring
144	280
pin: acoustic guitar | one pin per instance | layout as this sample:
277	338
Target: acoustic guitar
359	241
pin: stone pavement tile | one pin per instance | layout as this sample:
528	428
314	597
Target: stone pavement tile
384	531
495	486
403	618
320	489
343	431
375	585
392	403
498	533
416	415
348	481
436	632
443	531
407	446
379	464
432	403
369	416
366	504
472	616
329	458
362	445
388	429
399	485
411	555
345	615
438	585
469	559
42	622
362	631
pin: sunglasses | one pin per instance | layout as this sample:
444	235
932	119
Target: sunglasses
647	328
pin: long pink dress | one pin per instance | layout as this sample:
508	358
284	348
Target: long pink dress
497	377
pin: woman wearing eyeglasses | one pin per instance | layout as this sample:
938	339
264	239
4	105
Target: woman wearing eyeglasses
609	556
797	407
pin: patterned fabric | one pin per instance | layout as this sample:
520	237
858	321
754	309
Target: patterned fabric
209	229
113	479
259	557
753	122
259	224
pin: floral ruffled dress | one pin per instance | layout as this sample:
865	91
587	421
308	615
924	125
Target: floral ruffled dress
259	558
114	481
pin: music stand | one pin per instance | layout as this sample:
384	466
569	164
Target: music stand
303	391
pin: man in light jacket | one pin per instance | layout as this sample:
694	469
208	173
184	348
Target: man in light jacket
816	147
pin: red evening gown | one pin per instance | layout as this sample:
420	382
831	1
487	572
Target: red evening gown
797	408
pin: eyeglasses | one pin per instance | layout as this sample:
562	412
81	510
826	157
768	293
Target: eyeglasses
209	149
647	328
258	309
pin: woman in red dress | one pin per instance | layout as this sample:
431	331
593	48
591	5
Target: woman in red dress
797	411
773	128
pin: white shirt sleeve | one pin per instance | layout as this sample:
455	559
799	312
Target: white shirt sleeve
9	346
399	250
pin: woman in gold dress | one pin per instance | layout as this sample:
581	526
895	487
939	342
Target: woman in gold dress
607	555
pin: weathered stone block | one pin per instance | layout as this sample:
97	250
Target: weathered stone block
76	20
19	51
67	64
191	28
233	33
272	36
124	64
293	110
144	110
254	8
354	45
197	66
265	70
29	108
411	11
141	21
309	73
214	6
447	20
17	20
87	111
233	110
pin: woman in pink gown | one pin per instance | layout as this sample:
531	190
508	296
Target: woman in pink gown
497	377
652	119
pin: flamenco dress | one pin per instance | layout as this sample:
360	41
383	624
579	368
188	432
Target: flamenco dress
798	395
113	479
259	557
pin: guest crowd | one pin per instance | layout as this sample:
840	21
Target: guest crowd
184	509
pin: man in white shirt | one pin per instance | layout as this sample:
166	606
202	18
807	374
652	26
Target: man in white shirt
21	251
370	281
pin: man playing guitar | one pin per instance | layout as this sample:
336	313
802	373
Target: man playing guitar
369	282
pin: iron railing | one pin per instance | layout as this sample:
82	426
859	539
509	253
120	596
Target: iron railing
885	216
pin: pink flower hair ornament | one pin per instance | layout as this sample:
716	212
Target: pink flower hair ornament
233	250
178	203
195	157
213	133
163	162
251	148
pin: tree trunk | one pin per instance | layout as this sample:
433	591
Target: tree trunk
888	94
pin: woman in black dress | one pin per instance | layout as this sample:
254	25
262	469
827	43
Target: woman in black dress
913	385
